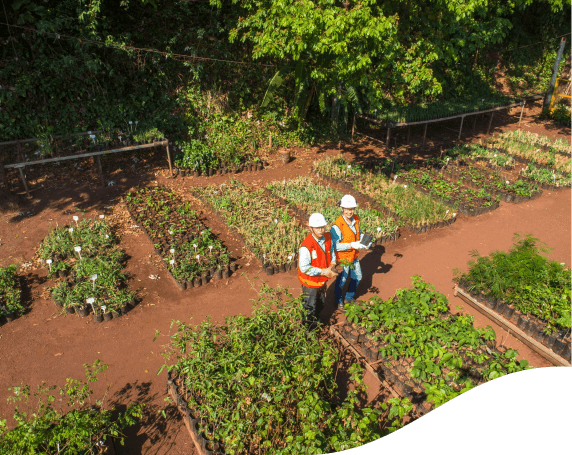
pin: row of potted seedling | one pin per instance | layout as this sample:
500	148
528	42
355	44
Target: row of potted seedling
87	263
10	294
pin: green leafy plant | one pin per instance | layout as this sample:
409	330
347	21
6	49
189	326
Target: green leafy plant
10	293
64	419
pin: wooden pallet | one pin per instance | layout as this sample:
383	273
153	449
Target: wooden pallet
512	329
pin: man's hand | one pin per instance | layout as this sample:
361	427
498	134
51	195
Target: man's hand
358	246
328	273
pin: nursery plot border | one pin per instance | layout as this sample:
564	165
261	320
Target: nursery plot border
375	205
511	320
20	166
198	440
183	285
387	378
522	160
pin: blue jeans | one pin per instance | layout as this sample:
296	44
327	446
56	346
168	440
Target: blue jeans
354	276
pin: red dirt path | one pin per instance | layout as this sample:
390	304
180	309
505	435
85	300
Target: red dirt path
44	346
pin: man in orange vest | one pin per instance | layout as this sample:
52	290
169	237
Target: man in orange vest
316	259
346	238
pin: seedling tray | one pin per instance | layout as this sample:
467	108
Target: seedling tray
527	329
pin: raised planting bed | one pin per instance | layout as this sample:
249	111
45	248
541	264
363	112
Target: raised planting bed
426	352
530	153
492	181
306	197
466	200
526	289
531	172
87	263
268	230
413	209
264	384
535	141
10	295
191	252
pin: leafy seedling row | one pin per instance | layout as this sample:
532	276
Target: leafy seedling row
87	264
265	384
468	201
10	294
271	233
414	210
493	182
525	288
304	196
191	252
421	348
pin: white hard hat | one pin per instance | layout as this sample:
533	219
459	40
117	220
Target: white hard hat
348	202
317	220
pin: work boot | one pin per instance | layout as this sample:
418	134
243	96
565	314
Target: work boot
341	306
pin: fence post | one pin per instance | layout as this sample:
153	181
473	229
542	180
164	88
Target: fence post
554	73
24	182
169	157
490	122
461	127
521	111
388	136
424	135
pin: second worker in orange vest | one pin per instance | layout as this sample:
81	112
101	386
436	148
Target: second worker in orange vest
346	236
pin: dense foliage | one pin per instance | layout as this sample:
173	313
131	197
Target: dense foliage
10	300
183	67
526	278
82	428
88	252
264	384
446	354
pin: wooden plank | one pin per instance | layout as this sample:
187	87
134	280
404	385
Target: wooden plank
173	393
86	155
512	329
490	122
60	136
424	135
461	127
24	182
100	170
361	359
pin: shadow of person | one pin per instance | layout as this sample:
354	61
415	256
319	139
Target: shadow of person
371	264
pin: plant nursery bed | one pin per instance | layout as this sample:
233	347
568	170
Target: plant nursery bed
416	211
192	254
304	196
263	383
466	200
527	329
525	293
272	233
10	295
86	261
424	351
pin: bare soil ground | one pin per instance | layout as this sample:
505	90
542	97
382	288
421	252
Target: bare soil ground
45	346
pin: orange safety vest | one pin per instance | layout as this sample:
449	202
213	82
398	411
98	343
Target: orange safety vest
348	236
320	260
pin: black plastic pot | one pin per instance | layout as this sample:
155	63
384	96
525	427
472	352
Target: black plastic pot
269	270
197	282
82	311
225	274
124	309
233	266
70	310
204	280
62	273
218	274
108	316
98	317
